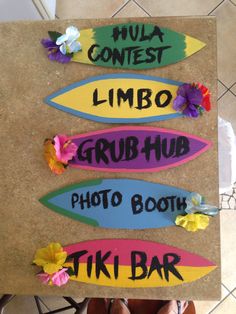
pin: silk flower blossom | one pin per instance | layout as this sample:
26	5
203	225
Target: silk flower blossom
65	149
51	258
59	278
192	222
58	152
192	100
68	42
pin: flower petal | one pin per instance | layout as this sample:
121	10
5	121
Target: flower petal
51	268
72	33
191	111
62	39
183	89
60	258
44	278
60	278
192	222
63	49
65	149
194	96
48	43
41	257
50	156
62	58
74	46
203	221
178	103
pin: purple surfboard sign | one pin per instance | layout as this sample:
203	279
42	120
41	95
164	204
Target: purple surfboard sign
135	149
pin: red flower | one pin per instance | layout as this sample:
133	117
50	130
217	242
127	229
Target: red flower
206	102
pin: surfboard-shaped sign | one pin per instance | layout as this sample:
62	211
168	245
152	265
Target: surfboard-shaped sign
134	46
119	98
119	203
134	263
135	149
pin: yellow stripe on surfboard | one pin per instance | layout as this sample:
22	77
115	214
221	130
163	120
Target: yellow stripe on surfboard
192	45
188	273
86	40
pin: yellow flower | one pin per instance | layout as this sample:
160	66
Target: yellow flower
51	258
51	158
192	222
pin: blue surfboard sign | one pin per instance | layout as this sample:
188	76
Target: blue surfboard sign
119	203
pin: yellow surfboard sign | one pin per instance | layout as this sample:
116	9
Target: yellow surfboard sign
119	98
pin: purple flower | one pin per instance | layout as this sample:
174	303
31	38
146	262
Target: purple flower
188	100
54	52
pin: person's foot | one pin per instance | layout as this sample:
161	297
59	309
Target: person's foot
119	306
173	307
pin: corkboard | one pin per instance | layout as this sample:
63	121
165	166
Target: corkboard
27	76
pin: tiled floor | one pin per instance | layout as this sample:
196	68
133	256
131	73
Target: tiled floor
226	14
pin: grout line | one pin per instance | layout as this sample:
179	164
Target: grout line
232	3
222	95
224	91
222	83
232	85
121	8
225	287
142	8
216	7
41	300
228	89
221	301
231	90
234	290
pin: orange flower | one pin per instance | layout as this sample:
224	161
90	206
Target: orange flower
56	166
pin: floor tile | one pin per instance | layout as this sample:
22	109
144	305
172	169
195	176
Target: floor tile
233	88
234	293
233	1
87	9
228	200
228	306
22	305
221	89
227	108
228	248
180	7
131	10
58	302
203	307
226	30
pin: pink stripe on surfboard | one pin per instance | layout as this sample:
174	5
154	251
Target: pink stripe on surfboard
123	247
139	128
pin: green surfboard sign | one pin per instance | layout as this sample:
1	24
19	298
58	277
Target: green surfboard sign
134	46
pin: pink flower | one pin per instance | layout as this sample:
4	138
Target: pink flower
43	277
60	278
65	149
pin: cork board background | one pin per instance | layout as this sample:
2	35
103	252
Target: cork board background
27	76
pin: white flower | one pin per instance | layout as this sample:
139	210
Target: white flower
195	204
68	42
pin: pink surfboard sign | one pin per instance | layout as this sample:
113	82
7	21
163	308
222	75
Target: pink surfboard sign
134	263
136	149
